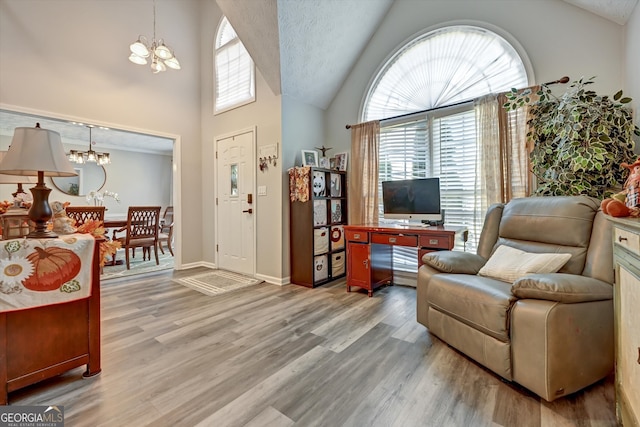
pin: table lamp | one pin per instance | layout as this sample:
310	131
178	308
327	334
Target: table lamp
37	152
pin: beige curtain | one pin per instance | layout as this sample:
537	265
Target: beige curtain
362	201
503	153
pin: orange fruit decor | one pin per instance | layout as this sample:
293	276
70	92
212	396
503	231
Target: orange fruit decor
52	268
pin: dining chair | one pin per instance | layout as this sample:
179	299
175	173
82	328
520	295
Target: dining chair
82	214
142	229
166	230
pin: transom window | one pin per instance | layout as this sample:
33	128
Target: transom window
442	71
234	70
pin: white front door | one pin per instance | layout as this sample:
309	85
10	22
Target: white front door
236	203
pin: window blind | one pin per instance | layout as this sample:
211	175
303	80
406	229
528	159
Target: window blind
444	146
234	71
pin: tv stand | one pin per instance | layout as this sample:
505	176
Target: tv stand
370	249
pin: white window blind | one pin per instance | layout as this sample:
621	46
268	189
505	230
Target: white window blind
234	70
439	145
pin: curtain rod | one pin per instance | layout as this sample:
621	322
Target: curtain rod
562	80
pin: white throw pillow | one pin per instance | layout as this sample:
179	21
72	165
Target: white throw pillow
509	264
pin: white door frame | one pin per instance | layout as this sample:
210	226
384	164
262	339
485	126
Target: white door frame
252	131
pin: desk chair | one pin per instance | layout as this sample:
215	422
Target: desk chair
142	231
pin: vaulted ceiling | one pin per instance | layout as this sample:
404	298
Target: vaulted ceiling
306	48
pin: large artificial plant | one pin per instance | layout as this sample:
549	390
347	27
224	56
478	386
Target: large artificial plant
579	139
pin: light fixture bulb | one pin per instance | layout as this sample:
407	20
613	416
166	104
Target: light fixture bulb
157	66
137	59
91	156
172	63
139	48
105	159
162	51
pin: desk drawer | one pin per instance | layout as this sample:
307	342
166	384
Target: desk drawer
394	239
436	241
357	236
627	239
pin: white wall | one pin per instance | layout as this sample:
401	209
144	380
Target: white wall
560	39
68	58
302	129
632	65
265	116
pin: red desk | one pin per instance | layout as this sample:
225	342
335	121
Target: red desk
370	249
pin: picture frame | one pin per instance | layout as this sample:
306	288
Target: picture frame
341	161
324	162
309	158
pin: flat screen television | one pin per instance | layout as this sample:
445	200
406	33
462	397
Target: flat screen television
417	199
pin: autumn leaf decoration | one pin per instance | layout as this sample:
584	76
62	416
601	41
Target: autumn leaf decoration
107	247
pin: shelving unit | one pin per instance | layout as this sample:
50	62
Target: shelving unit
317	219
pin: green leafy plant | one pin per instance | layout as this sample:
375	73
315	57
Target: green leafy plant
579	139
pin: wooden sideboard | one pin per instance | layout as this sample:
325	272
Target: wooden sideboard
43	342
370	249
626	258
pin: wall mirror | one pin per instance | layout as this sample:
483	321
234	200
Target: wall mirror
91	177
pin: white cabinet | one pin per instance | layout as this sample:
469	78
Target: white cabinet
626	253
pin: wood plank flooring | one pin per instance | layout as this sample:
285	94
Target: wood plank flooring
273	355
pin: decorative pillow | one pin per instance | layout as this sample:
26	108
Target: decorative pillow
508	264
562	287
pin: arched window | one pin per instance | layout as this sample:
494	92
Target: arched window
440	70
443	67
235	82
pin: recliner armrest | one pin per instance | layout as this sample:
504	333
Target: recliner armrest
454	262
562	287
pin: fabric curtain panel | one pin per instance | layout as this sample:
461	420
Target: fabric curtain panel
363	175
503	154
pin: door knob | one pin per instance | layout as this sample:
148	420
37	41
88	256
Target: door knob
248	211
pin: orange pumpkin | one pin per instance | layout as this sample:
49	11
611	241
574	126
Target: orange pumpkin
52	268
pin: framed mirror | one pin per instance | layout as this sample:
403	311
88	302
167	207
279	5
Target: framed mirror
91	176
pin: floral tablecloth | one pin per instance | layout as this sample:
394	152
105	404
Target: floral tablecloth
37	272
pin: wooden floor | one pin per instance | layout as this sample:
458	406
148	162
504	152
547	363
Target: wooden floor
279	356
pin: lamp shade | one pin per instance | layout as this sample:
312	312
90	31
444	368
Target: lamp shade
14	179
36	150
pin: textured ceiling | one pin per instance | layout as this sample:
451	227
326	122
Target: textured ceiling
617	11
320	41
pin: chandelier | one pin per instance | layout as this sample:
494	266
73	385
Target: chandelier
160	54
89	156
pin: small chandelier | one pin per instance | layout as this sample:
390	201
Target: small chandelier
89	156
160	54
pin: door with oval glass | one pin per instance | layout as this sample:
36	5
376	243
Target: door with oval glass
235	203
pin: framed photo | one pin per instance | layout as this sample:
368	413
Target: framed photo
332	163
309	158
341	161
324	162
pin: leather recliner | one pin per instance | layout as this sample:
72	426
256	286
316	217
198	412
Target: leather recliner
549	332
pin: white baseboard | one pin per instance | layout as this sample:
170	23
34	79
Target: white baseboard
274	280
196	264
